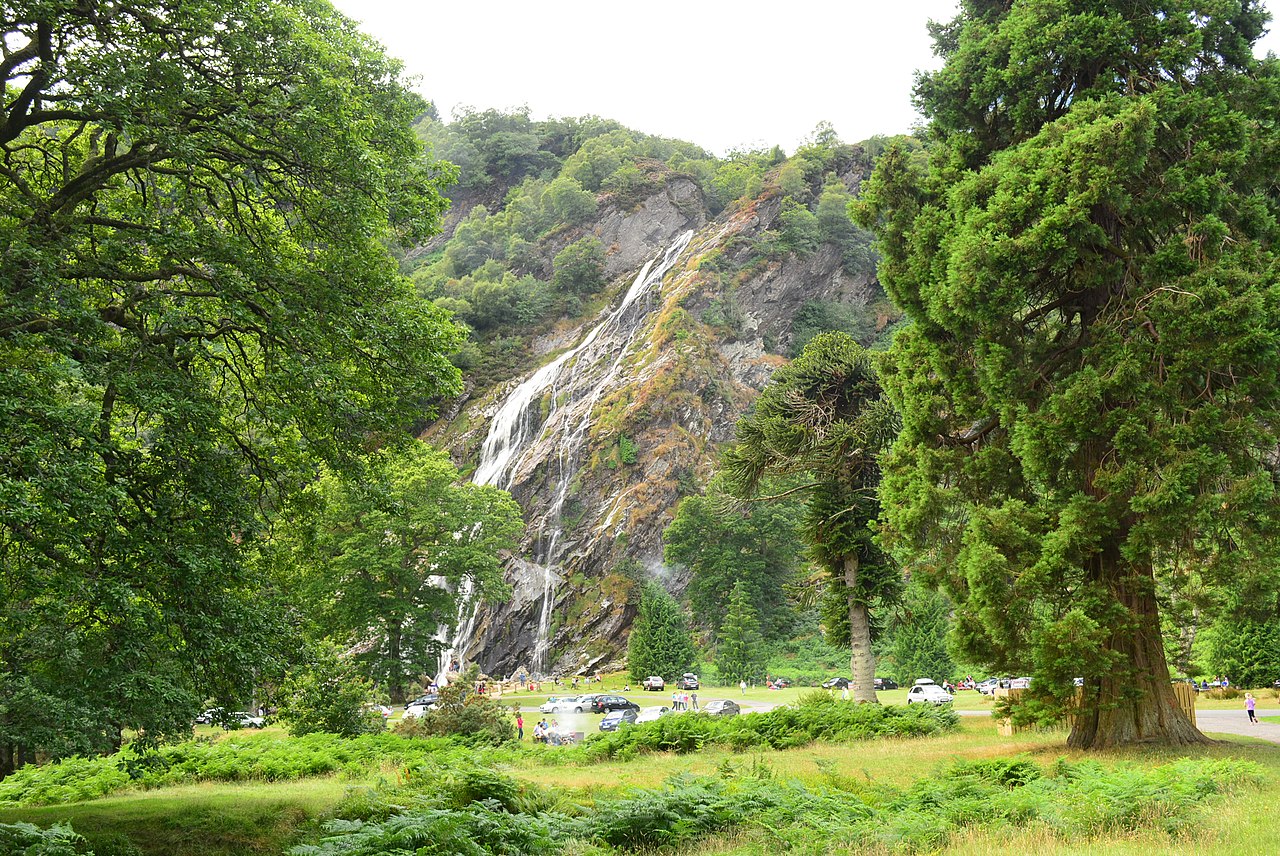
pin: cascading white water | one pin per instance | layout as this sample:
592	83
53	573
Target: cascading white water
511	431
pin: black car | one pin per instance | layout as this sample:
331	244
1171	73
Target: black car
603	703
886	684
835	684
614	718
687	681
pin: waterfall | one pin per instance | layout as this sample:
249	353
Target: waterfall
511	432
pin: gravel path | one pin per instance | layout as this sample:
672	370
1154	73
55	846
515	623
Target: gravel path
1209	721
1214	722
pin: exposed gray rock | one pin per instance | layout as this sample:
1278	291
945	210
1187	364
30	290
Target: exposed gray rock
632	237
673	397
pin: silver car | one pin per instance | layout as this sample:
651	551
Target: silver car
722	707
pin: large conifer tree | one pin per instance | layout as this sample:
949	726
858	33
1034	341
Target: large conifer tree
1089	384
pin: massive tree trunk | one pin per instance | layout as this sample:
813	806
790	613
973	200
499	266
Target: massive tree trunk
1135	702
8	755
395	675
862	663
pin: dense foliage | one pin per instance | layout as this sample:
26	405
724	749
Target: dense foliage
386	556
238	758
818	716
494	815
198	303
740	651
1088	386
461	712
328	694
722	544
917	636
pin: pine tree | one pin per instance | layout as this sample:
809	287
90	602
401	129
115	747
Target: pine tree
660	642
740	652
919	636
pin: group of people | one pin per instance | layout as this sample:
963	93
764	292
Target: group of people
681	701
546	732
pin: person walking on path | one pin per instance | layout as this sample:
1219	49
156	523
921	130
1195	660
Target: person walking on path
520	726
1249	704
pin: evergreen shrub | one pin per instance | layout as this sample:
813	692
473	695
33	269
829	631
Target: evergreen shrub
816	717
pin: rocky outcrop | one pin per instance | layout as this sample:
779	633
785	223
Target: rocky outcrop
612	450
632	237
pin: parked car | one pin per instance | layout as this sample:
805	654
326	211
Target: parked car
988	686
886	684
558	704
614	718
687	681
653	682
605	703
721	707
926	691
649	714
238	719
836	684
243	719
421	705
209	717
1024	683
582	704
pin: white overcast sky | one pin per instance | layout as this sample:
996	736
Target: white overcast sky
723	75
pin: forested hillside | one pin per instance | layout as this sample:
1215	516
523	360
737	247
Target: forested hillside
551	222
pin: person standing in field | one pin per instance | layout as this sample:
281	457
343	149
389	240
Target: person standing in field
519	726
742	685
1249	704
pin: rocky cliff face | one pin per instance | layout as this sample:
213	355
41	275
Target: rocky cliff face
633	417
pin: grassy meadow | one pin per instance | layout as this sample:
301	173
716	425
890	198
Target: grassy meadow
256	817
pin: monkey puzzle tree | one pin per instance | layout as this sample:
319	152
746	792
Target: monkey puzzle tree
1089	386
824	419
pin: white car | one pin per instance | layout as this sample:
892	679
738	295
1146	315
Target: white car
419	706
649	714
926	691
565	704
247	720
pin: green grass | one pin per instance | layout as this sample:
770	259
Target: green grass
217	819
221	819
